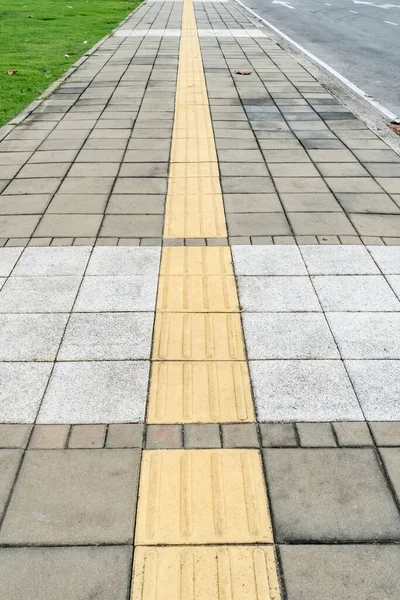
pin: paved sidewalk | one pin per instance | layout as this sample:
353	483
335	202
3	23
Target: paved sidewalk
214	413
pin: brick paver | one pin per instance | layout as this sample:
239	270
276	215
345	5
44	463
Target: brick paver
243	398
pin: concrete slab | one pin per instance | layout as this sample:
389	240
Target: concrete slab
38	294
107	336
8	258
355	293
277	294
387	258
78	497
323	572
377	385
336	494
338	260
69	573
30	337
96	392
268	260
116	293
52	261
366	335
124	261
9	463
21	390
303	390
288	335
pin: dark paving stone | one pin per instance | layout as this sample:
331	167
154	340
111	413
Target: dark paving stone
329	495
351	572
70	497
68	573
9	462
391	460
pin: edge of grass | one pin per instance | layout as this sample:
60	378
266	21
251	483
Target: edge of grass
25	112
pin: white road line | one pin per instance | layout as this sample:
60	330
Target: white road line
283	4
384	6
390	23
388	114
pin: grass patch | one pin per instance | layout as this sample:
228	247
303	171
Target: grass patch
36	36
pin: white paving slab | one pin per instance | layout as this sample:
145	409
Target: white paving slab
21	390
8	258
38	294
355	293
108	336
31	337
277	294
288	335
268	260
394	281
338	260
52	261
377	385
366	335
303	390
96	392
124	261
109	294
387	258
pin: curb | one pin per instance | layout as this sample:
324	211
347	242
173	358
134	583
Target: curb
28	110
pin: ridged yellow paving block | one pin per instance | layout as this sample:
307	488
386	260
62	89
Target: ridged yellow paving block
193	185
202	497
192	117
191	225
194	169
195	203
197	293
206	260
208	573
200	392
192	151
198	336
193	133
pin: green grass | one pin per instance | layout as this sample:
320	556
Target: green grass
36	47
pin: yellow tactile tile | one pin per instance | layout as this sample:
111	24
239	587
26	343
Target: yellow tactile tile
198	336
210	573
210	293
194	169
191	225
206	260
202	497
200	392
195	203
193	185
195	151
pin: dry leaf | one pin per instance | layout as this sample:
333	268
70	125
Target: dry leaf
242	72
30	16
11	72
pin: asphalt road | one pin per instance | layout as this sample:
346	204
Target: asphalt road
360	39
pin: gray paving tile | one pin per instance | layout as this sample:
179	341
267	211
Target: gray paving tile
68	573
96	392
303	390
322	572
288	335
376	225
107	336
366	335
310	203
247	185
136	225
268	260
257	224
68	225
353	434
8	258
14	436
116	293
320	223
278	435
252	203
316	435
338	260
124	261
335	494
277	294
136	204
38	294
377	385
52	261
78	204
386	257
73	492
386	433
9	463
355	293
22	388
31	337
24	204
125	435
18	225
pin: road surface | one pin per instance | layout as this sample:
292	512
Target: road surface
358	38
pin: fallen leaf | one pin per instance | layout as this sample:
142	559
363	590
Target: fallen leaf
66	55
30	16
11	72
238	72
